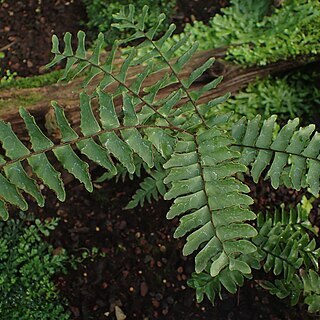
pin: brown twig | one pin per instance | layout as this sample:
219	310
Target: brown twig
6	47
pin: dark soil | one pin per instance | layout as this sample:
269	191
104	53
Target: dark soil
143	271
26	28
201	10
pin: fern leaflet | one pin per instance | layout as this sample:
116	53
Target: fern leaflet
150	187
201	182
291	155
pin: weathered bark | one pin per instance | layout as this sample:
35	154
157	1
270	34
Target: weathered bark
235	78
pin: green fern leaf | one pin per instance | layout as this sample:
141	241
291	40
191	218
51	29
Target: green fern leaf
18	176
161	140
290	155
97	154
4	214
108	116
196	94
150	187
38	140
198	72
307	284
81	49
211	196
39	163
67	133
119	149
10	194
139	145
74	165
95	58
49	176
202	160
212	287
14	148
177	67
284	243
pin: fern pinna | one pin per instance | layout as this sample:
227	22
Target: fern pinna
191	155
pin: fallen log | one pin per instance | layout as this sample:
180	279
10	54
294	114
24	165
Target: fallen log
235	78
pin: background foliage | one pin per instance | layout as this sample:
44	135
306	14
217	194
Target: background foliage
203	163
27	267
32	82
202	152
290	96
258	33
100	15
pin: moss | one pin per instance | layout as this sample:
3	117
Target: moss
100	15
21	100
33	82
294	95
27	270
257	33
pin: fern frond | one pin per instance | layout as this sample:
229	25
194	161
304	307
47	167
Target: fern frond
122	172
210	287
100	144
156	59
213	203
145	126
306	284
284	243
150	187
285	247
105	70
147	103
181	144
291	155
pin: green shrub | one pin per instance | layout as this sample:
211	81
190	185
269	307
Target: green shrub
280	234
32	82
27	267
294	95
194	158
100	15
8	76
259	33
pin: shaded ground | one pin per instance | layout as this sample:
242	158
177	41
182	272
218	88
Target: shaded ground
143	271
201	10
26	27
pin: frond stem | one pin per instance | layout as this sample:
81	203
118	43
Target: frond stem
205	191
72	142
277	256
121	83
275	150
177	77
